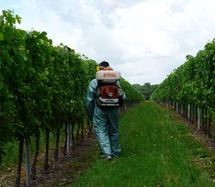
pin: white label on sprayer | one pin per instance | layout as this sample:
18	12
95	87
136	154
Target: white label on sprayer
108	75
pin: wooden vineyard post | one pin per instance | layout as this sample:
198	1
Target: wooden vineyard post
188	112
27	164
19	167
177	107
68	139
199	118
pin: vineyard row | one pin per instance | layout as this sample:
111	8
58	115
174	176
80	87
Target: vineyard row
42	88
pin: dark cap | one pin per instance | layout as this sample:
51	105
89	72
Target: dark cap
103	64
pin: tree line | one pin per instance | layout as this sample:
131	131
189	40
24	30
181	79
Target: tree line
146	89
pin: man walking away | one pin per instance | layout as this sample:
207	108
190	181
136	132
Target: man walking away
104	97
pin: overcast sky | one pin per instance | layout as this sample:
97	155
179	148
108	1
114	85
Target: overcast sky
144	39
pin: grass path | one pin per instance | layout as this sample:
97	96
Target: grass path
158	150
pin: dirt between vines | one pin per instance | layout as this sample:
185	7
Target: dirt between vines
61	173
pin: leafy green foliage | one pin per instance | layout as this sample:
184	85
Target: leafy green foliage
193	82
132	94
41	86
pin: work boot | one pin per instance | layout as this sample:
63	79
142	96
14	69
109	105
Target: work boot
108	158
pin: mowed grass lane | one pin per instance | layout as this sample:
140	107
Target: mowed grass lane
156	151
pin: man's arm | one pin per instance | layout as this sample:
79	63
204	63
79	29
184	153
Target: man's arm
124	96
90	104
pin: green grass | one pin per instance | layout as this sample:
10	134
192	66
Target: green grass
158	150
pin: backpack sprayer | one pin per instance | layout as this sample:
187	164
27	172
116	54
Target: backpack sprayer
109	93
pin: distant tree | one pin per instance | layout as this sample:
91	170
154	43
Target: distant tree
147	89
